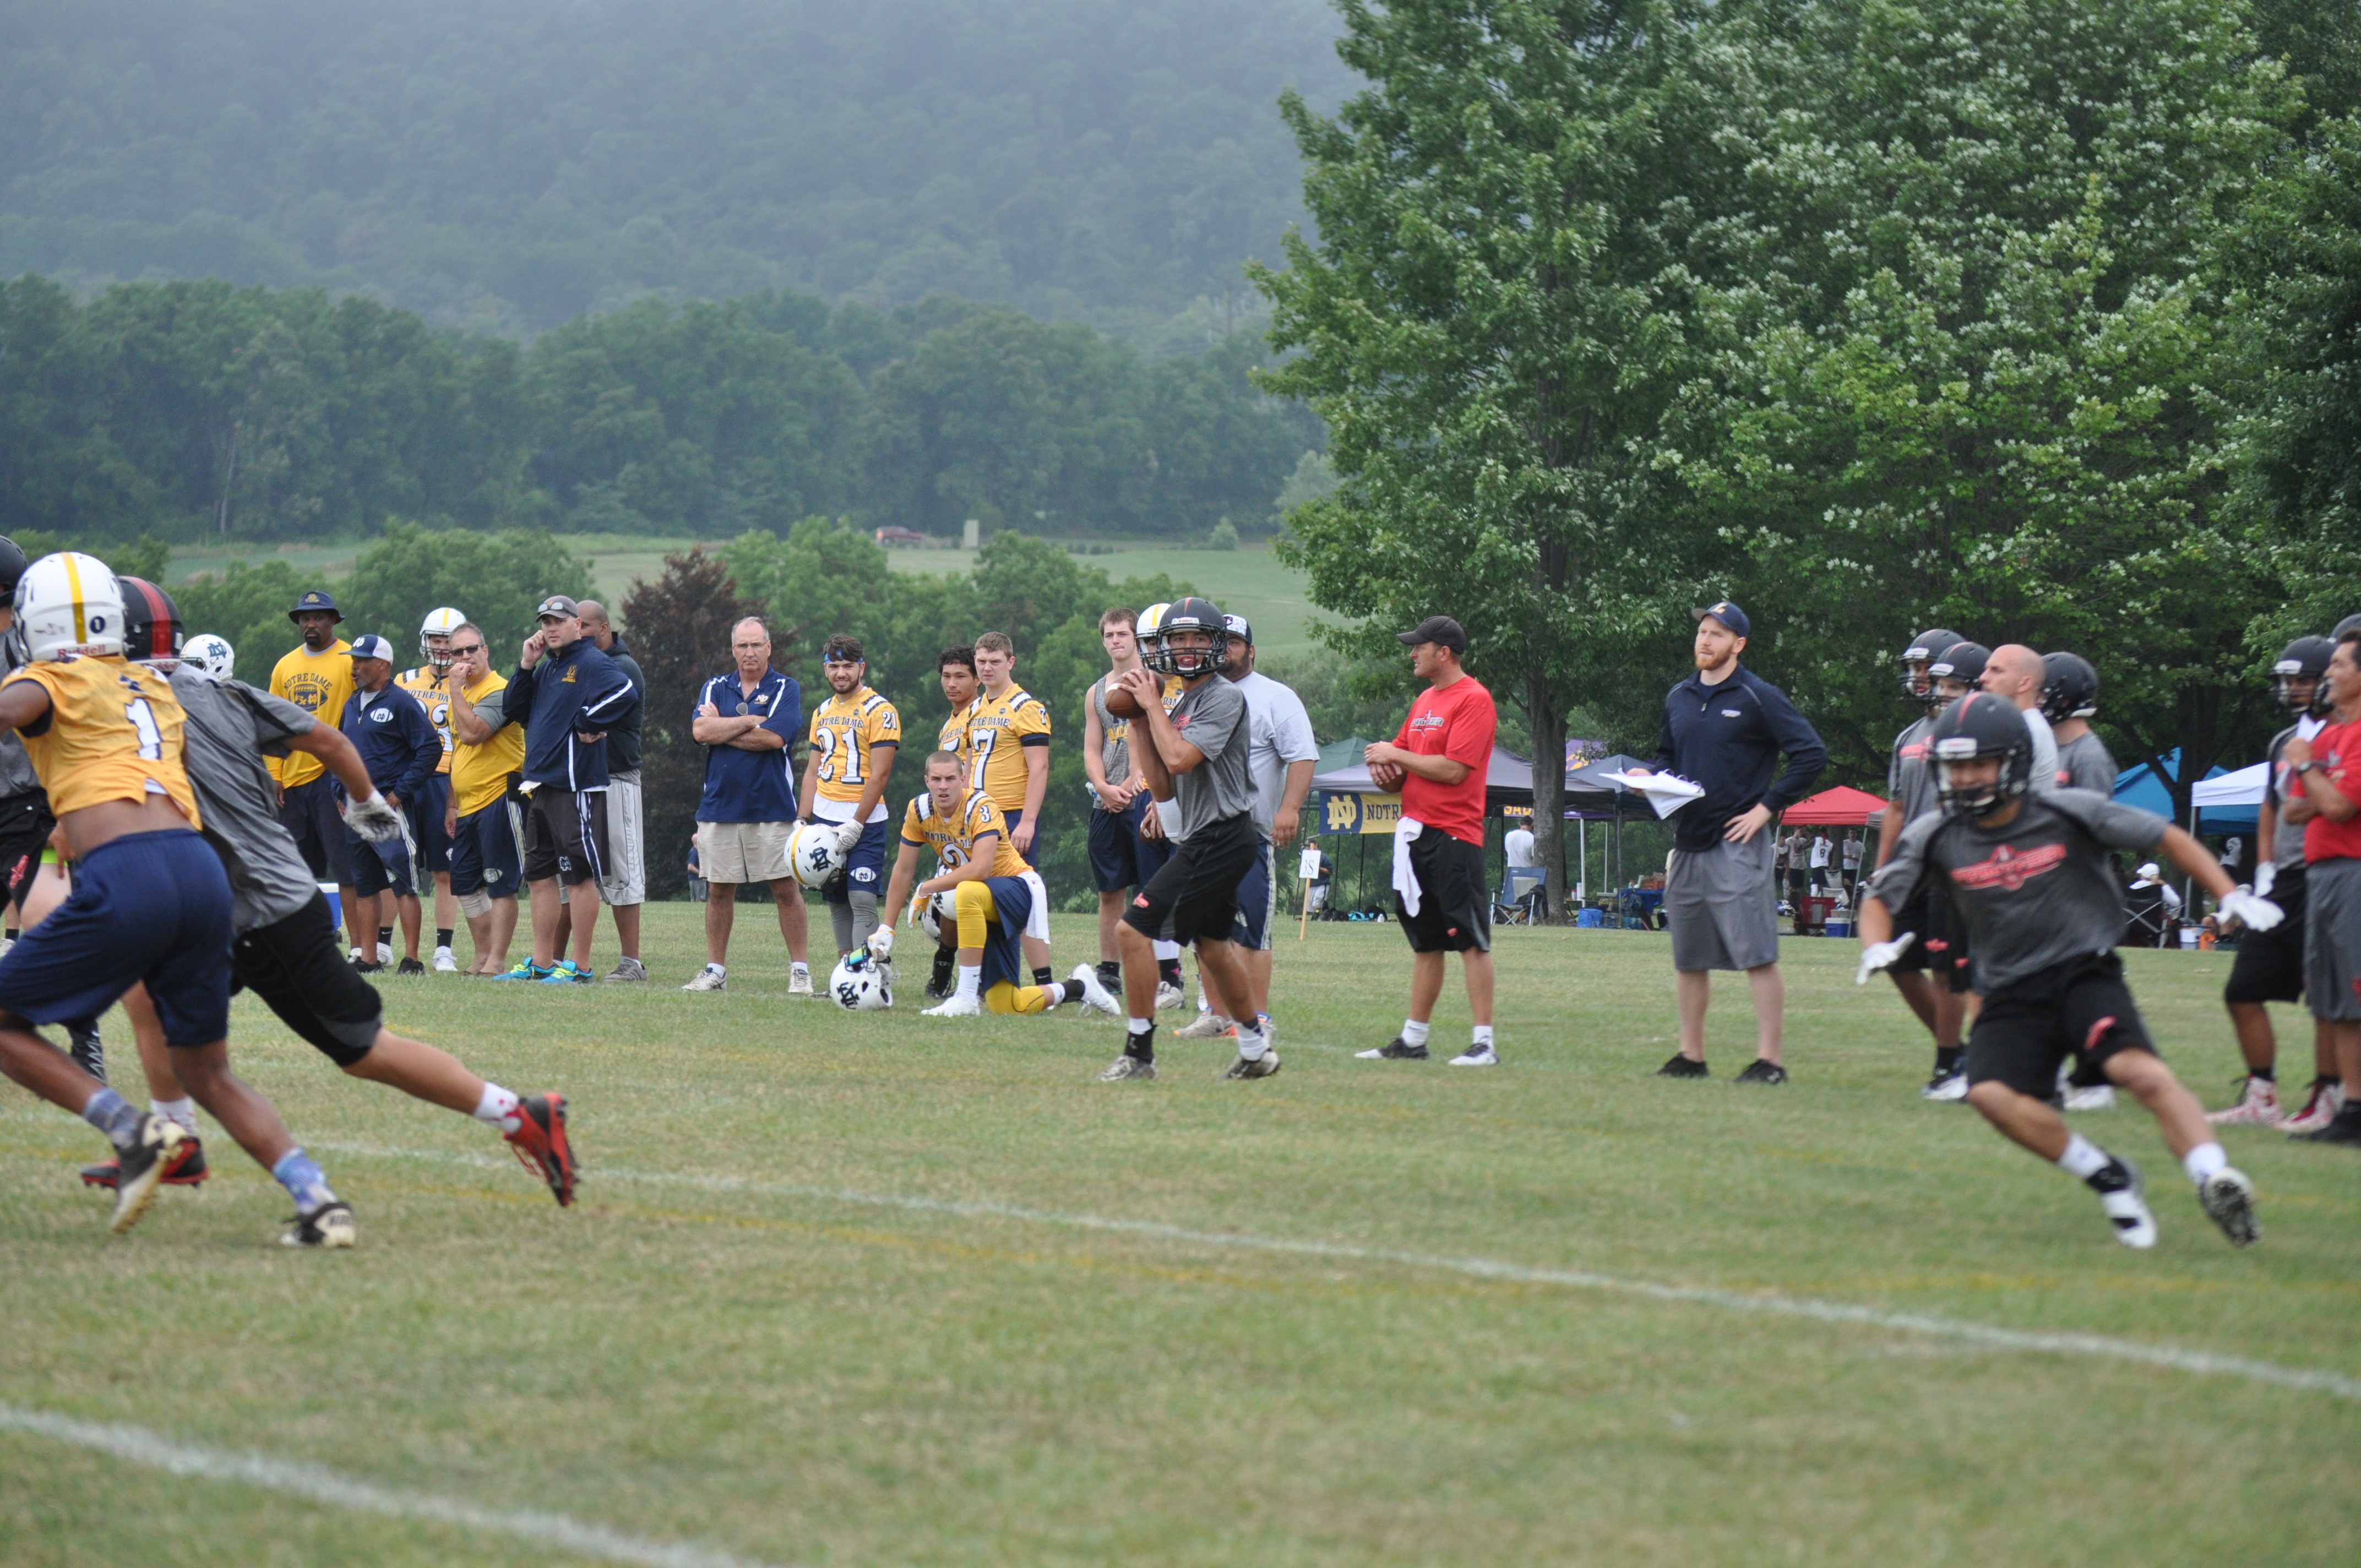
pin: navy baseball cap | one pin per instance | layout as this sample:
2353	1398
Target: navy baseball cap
1726	613
1236	626
315	600
368	646
558	606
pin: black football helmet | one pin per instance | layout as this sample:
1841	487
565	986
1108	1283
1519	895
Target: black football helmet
1962	662
2069	687
1981	724
1194	614
2343	628
12	566
1924	647
2305	659
152	621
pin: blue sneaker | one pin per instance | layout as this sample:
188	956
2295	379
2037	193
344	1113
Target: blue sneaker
525	970
567	973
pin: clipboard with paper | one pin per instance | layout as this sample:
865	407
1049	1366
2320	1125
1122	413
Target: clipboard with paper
1666	792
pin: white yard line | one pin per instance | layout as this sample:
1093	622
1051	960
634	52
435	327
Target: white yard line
541	1531
2100	1347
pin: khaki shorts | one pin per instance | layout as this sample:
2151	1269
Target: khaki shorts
626	881
743	851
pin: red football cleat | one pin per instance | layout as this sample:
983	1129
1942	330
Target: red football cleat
542	1146
187	1168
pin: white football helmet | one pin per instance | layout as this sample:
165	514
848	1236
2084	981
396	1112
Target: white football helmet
212	656
1149	633
69	604
812	853
438	623
857	985
939	913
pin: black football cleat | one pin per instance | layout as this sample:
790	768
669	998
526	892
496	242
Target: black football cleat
1761	1071
1683	1067
1395	1049
89	1052
186	1168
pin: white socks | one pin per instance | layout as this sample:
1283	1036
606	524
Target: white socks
2203	1161
1483	1036
1165	951
499	1108
180	1113
971	982
2084	1159
1413	1032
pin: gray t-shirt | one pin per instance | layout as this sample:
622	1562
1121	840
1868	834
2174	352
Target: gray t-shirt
1909	781
1115	740
2286	842
2035	894
1212	716
2084	763
1280	734
231	727
2045	752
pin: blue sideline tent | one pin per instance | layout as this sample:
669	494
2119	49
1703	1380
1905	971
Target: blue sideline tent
2140	786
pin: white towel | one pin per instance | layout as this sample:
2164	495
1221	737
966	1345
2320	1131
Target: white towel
1405	883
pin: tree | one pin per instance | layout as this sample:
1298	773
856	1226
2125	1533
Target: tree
1496	313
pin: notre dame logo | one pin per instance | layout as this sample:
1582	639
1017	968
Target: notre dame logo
1343	813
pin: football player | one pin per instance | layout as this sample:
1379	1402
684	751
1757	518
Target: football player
956	668
854	736
1126	838
2270	966
430	813
1009	758
149	903
1929	986
998	897
2069	697
2028	872
284	948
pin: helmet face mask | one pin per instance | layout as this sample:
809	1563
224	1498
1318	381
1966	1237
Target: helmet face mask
210	655
1961	665
857	985
435	638
69	606
1917	685
2305	659
2069	687
1207	652
1148	636
1977	728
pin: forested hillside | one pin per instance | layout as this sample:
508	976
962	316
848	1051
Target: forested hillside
512	166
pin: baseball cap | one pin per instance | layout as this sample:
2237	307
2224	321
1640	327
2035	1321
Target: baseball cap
1439	629
556	605
1236	626
2151	871
315	600
370	646
1726	613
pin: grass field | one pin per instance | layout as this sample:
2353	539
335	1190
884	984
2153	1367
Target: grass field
892	1290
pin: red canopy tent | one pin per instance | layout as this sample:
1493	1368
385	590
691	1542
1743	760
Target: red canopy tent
1839	807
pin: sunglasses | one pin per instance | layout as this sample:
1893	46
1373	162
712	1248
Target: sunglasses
471	648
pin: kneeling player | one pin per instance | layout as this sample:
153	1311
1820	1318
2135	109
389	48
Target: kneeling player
2028	875
999	899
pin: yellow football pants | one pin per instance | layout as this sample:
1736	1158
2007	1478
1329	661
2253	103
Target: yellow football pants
977	911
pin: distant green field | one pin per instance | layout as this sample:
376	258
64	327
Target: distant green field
895	1290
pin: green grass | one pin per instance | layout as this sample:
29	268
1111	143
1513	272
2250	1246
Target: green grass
793	1377
1250	581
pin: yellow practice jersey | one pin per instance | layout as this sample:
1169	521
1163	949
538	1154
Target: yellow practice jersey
996	737
952	738
843	730
113	733
479	774
319	683
429	688
955	843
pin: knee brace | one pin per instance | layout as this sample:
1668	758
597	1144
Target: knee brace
477	905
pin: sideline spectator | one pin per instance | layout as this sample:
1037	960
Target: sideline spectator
1853	850
487	821
317	678
1820	848
625	886
1725	728
748	721
2327	770
400	747
2017	672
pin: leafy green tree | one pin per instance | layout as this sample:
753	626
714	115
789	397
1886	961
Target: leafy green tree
496	579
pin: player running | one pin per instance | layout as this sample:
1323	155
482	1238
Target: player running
284	949
2028	872
430	813
996	895
149	903
854	736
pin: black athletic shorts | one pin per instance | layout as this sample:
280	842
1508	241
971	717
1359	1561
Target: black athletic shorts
2081	1011
1455	905
1942	949
566	836
25	829
310	816
2270	966
1194	897
297	968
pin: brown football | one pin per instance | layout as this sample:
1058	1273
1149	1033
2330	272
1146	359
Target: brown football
1121	702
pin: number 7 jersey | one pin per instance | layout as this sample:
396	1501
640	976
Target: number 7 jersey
113	733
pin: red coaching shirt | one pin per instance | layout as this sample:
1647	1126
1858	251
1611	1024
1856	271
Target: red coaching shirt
1457	721
2337	750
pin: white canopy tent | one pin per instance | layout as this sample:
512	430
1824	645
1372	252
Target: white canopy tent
2244	787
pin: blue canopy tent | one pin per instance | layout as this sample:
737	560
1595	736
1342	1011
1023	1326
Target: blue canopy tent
2140	786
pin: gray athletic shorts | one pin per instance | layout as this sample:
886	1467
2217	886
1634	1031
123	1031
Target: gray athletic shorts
2332	934
1723	906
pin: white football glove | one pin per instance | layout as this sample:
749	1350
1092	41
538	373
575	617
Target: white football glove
1878	955
881	943
847	837
2267	875
2251	910
373	820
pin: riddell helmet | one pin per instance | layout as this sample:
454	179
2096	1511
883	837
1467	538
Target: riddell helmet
940	913
211	654
857	985
812	853
1194	614
1148	634
2304	659
438	623
1916	685
2069	687
67	604
1961	662
152	621
1978	725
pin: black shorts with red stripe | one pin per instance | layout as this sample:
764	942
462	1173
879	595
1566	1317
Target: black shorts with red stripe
2080	1010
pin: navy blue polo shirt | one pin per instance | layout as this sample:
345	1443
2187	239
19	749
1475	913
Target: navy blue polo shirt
1730	739
751	786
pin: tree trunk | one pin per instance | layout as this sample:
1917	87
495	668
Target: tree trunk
1545	722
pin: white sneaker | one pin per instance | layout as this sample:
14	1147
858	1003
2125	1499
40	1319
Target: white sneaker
2098	1097
800	982
1476	1055
384	953
707	979
1206	1026
1096	998
1168	996
2127	1211
2258	1106
954	1006
1947	1089
444	962
2327	1099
